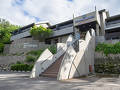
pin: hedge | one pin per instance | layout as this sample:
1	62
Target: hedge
21	67
108	48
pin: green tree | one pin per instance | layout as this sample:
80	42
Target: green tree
40	32
5	31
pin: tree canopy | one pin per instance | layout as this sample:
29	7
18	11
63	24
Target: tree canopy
5	30
40	32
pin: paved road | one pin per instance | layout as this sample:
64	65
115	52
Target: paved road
21	81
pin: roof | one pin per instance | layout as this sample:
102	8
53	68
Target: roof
62	23
71	20
43	22
24	27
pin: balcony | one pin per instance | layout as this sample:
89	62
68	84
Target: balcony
20	35
112	26
63	31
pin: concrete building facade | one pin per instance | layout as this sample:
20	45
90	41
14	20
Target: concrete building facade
106	28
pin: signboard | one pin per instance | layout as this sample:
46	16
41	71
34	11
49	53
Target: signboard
28	45
90	17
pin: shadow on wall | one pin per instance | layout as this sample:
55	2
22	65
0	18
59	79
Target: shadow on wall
66	63
85	57
77	64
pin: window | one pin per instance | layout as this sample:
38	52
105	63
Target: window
115	37
47	41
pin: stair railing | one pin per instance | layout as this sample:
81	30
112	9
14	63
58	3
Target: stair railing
52	55
75	45
43	68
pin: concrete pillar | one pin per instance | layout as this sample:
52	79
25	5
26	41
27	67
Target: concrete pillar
77	33
97	30
102	20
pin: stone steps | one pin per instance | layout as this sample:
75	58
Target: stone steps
53	70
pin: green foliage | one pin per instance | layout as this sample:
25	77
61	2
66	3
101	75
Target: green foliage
5	31
35	52
108	68
30	59
108	48
32	56
21	67
40	32
18	62
53	49
1	47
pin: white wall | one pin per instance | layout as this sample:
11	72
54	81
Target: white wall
48	58
77	64
84	57
38	68
66	64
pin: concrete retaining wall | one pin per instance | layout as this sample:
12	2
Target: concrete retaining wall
11	59
24	45
102	58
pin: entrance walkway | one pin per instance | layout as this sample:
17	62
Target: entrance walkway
21	81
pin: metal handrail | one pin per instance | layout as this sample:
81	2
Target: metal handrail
59	51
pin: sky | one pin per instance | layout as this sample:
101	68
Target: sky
24	12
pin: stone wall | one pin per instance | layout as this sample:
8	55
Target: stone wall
11	59
102	58
24	45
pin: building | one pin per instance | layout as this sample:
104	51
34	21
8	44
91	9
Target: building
23	42
106	28
75	41
24	31
113	27
95	20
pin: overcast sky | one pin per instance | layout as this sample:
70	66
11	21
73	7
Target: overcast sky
23	12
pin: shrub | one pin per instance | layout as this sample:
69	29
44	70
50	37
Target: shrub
19	62
30	59
35	52
52	49
1	47
108	48
40	32
21	67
